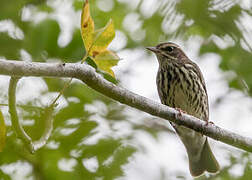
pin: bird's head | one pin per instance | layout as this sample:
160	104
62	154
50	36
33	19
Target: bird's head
168	53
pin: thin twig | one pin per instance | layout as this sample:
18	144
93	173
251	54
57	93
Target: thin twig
14	116
48	118
67	84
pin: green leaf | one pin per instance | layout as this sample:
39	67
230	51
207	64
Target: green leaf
2	132
108	77
105	60
91	62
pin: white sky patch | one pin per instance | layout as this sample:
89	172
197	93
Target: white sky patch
138	35
131	4
67	131
12	30
73	121
31	13
19	170
119	42
141	78
73	99
104	129
132	22
221	6
171	23
67	164
76	153
28	122
108	161
97	107
166	152
91	164
52	145
105	5
237	170
122	129
246	4
224	42
64	14
245	26
25	56
35	86
100	132
67	18
149	7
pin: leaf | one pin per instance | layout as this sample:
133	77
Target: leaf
105	60
108	77
2	132
102	38
91	62
87	27
97	41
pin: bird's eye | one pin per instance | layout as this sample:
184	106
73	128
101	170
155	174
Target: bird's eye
169	49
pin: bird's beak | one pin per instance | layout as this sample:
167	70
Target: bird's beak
153	49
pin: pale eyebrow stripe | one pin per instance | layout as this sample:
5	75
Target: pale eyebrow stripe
163	45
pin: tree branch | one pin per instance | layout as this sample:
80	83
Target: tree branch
20	132
32	146
88	75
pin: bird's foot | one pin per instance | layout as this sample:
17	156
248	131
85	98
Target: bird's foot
209	122
180	111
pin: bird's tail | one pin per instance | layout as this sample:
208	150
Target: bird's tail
207	162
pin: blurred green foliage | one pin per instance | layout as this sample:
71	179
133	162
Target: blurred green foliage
206	19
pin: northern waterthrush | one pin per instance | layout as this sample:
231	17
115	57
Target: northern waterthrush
181	85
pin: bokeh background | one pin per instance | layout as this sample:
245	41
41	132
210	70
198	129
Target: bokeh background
97	138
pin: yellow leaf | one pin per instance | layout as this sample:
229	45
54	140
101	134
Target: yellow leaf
105	60
102	38
2	132
87	27
96	42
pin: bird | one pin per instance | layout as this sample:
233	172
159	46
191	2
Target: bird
181	85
